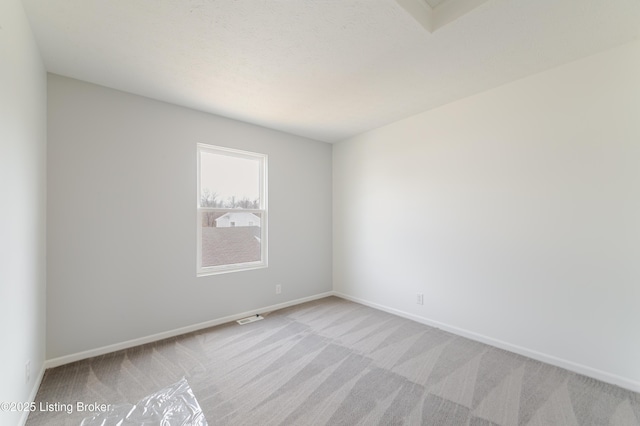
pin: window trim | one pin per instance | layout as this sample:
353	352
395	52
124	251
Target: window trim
202	271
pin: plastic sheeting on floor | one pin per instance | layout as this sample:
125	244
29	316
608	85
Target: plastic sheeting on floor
174	405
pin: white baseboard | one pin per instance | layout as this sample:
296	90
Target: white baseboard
34	392
56	362
603	376
539	356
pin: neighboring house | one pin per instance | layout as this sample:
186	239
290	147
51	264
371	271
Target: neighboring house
232	219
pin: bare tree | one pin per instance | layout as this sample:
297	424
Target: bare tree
246	203
231	202
210	198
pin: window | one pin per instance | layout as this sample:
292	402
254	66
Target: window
232	210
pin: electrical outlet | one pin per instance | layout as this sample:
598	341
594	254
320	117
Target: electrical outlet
278	289
27	371
420	299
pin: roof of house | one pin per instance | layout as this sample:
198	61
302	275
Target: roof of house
223	246
239	213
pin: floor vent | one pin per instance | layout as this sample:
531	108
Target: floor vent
247	320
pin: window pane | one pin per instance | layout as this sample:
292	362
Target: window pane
229	182
231	238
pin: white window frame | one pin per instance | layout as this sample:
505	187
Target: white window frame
262	210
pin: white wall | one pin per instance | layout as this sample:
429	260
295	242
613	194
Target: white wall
521	216
22	207
122	218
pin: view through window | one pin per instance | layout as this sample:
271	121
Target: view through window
232	213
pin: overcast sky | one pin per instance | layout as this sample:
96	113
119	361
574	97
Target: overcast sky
228	176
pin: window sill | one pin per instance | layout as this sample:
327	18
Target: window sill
205	272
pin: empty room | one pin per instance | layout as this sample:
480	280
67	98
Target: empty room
320	212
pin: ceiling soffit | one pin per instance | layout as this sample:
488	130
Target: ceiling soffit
434	14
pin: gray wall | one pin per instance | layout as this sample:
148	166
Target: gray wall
22	207
516	212
122	218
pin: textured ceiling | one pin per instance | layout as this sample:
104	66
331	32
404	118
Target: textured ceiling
322	69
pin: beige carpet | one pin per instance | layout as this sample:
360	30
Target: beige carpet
333	362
